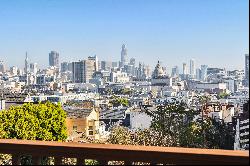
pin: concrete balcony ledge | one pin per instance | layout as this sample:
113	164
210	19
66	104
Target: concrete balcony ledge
107	152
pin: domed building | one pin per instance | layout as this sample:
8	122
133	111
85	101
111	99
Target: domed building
159	78
158	72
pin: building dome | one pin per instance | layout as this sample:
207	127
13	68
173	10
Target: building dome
158	72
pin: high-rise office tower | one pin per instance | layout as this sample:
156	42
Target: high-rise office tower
2	67
33	68
175	71
139	71
19	72
132	67
13	70
148	71
103	65
90	67
70	67
132	61
64	66
124	56
78	71
192	68
198	74
54	59
247	69
96	63
26	68
184	69
106	65
115	64
204	72
83	70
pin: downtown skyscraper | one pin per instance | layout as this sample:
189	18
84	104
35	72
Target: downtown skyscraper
26	68
78	72
2	67
204	72
83	70
247	69
184	69
54	59
175	71
124	56
34	68
192	69
26	65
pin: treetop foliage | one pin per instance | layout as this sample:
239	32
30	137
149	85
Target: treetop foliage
116	101
174	126
34	122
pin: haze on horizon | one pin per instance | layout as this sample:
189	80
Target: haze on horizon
212	32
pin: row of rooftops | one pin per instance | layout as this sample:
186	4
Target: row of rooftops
78	113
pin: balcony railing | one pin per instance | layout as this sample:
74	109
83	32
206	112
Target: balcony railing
104	153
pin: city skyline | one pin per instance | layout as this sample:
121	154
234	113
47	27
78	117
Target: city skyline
124	82
137	63
170	31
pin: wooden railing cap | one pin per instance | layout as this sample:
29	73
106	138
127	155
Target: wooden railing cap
178	150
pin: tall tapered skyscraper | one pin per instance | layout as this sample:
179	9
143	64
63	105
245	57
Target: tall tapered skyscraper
124	56
26	68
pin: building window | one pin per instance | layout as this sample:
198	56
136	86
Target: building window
75	128
91	123
90	127
91	132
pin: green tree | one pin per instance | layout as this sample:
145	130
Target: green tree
147	137
116	101
124	91
171	120
120	135
218	135
109	92
174	125
34	122
223	95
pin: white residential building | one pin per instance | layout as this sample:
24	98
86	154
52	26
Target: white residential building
119	77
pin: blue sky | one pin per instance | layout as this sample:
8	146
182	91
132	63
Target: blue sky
213	32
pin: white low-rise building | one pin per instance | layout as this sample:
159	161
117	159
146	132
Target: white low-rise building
119	77
62	98
204	86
